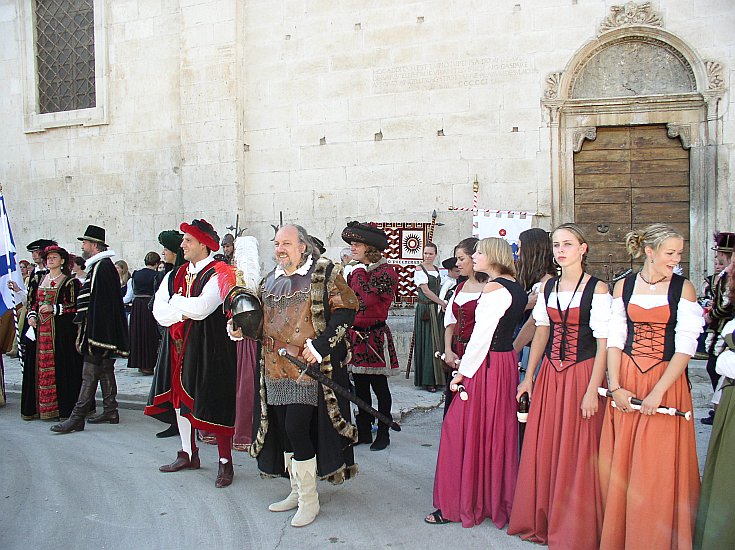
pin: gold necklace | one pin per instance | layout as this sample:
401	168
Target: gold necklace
651	284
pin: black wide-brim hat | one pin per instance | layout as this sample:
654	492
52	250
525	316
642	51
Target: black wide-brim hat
95	234
724	242
366	233
40	244
203	232
171	239
450	263
54	249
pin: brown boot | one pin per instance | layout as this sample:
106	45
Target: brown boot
224	475
72	424
113	417
182	462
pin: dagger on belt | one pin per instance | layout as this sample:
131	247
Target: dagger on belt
322	378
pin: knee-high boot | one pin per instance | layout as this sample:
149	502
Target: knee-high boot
109	394
75	422
364	428
305	473
292	500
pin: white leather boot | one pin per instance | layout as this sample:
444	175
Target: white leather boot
305	473
292	500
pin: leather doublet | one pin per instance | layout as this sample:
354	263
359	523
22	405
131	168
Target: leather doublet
287	322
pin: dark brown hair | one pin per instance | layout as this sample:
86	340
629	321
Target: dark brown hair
536	259
372	254
152	259
469	246
432	245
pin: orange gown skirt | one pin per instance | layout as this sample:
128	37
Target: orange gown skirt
649	473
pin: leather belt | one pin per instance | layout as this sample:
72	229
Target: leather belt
273	345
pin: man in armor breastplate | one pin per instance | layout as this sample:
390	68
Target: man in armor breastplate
303	427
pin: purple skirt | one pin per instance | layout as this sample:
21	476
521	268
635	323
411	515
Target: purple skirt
477	466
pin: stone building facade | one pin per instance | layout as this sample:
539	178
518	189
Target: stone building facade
610	113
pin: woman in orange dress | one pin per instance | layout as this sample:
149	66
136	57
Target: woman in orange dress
557	499
648	462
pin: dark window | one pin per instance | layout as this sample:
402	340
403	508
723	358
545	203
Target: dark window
65	54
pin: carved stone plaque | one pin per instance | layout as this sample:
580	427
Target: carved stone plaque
633	66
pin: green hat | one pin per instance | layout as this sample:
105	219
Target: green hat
171	239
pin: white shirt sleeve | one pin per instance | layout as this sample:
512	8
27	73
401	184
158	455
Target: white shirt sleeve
689	325
490	308
448	315
199	307
600	315
128	298
419	277
617	330
165	314
539	312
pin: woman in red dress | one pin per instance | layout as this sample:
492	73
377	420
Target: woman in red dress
649	474
477	464
459	318
557	500
51	313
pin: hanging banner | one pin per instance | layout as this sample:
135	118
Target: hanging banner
405	251
505	224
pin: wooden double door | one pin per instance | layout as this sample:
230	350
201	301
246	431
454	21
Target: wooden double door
629	177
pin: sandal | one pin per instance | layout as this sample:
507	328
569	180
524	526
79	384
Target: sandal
436	518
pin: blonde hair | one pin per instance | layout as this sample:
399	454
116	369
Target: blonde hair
578	233
499	255
654	235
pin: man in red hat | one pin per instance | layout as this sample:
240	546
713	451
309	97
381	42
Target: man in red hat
197	376
102	333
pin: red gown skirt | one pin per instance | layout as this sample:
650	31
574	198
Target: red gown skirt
557	499
477	465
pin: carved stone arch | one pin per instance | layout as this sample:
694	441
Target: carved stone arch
688	104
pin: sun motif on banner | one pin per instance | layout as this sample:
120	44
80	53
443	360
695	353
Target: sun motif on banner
411	243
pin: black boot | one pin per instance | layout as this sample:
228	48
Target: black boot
364	428
112	417
171	431
71	424
75	422
382	440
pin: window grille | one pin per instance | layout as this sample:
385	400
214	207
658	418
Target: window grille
65	54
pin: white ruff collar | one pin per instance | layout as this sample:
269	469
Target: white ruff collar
303	270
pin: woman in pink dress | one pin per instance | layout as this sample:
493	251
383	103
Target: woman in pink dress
557	500
477	464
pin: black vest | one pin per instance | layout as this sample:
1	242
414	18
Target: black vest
503	337
586	342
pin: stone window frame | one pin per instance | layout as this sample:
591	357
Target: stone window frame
33	119
692	117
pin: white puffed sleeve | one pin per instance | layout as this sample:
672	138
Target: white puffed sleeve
617	330
600	314
689	325
448	315
490	308
539	313
419	277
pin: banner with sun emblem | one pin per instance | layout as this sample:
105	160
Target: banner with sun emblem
507	225
405	251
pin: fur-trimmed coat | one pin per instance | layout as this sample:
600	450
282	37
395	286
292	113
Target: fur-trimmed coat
333	431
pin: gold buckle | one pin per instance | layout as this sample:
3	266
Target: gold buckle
269	343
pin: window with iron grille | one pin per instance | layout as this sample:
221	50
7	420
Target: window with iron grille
65	55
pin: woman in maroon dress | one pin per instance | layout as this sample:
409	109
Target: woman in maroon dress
459	318
558	500
477	464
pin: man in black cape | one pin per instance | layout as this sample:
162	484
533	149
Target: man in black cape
198	376
103	332
301	426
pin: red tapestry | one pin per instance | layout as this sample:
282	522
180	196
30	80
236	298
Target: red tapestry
405	251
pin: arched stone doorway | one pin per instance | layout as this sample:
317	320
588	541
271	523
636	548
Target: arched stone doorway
635	76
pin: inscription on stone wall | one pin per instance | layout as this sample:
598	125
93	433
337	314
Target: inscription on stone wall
449	74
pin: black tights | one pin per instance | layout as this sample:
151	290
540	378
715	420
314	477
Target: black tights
294	425
379	383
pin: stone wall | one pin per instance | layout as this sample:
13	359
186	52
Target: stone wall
324	110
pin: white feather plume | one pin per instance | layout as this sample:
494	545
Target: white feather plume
247	262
